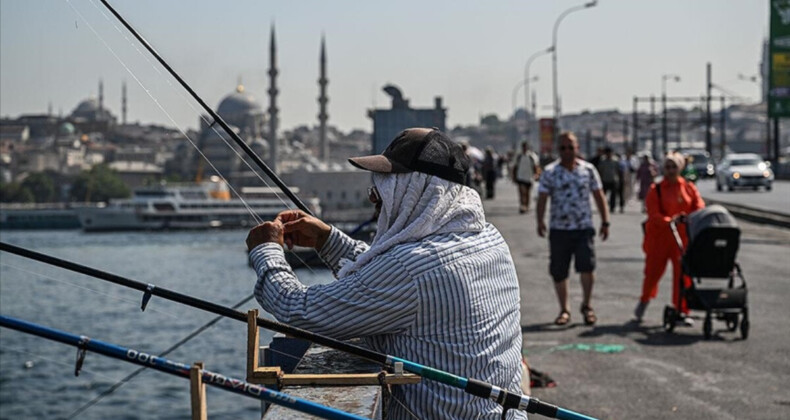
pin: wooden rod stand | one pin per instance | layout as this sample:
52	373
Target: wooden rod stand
274	375
197	391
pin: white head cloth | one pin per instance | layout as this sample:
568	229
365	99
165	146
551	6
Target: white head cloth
416	205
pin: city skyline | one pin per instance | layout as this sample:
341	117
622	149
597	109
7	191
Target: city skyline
466	53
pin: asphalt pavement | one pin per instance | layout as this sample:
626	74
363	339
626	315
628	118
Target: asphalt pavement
776	200
622	370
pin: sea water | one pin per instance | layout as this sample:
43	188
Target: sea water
37	376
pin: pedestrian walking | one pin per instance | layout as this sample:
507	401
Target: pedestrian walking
569	182
645	175
525	171
490	168
670	200
609	169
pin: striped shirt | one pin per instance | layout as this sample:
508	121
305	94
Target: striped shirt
450	302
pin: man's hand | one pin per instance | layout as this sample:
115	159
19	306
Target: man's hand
302	229
542	229
604	232
265	232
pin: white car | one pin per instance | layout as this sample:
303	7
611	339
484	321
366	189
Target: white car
743	170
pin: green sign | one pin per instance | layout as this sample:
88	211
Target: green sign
779	60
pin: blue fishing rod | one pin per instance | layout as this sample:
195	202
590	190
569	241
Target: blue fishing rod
503	397
175	368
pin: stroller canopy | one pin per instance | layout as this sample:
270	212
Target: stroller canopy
714	216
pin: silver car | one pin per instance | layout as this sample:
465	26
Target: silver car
743	170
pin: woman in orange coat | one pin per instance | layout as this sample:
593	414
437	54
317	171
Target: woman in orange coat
666	201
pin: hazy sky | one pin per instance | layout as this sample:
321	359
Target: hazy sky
470	53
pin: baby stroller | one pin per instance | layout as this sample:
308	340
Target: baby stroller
709	261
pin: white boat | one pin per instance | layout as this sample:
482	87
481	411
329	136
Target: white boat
200	205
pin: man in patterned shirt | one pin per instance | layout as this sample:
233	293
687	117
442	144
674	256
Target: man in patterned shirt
437	285
569	182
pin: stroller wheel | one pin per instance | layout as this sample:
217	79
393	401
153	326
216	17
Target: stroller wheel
707	327
745	324
669	318
732	322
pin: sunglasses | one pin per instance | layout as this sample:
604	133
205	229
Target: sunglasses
566	148
670	167
373	194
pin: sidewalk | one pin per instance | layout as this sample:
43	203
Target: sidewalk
620	370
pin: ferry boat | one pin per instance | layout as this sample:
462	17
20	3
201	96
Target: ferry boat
38	216
199	205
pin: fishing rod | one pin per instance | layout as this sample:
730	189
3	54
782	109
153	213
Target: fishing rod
507	399
217	119
162	364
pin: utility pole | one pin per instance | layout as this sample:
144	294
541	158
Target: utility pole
653	142
723	123
534	117
625	135
588	142
776	143
664	123
635	124
708	121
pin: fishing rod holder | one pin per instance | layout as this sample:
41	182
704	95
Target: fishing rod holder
277	376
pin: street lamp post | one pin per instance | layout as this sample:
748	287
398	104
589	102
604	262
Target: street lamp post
664	134
554	60
763	98
513	98
526	84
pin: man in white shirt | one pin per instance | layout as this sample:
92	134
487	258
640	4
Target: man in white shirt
569	182
525	171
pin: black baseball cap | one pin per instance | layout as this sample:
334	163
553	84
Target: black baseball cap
423	150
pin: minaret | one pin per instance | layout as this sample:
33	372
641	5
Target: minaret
49	109
123	103
273	102
322	100
101	98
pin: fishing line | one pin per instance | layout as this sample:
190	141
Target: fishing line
140	370
156	101
258	220
44	276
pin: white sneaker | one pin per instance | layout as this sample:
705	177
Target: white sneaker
685	321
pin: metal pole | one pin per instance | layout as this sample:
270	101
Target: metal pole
776	143
723	122
635	124
708	121
527	80
653	142
625	135
664	123
554	63
534	117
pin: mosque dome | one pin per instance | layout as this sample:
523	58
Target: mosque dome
86	109
66	129
238	104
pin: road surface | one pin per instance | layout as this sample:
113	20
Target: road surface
621	370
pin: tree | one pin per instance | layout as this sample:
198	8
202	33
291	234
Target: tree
12	192
40	186
100	183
